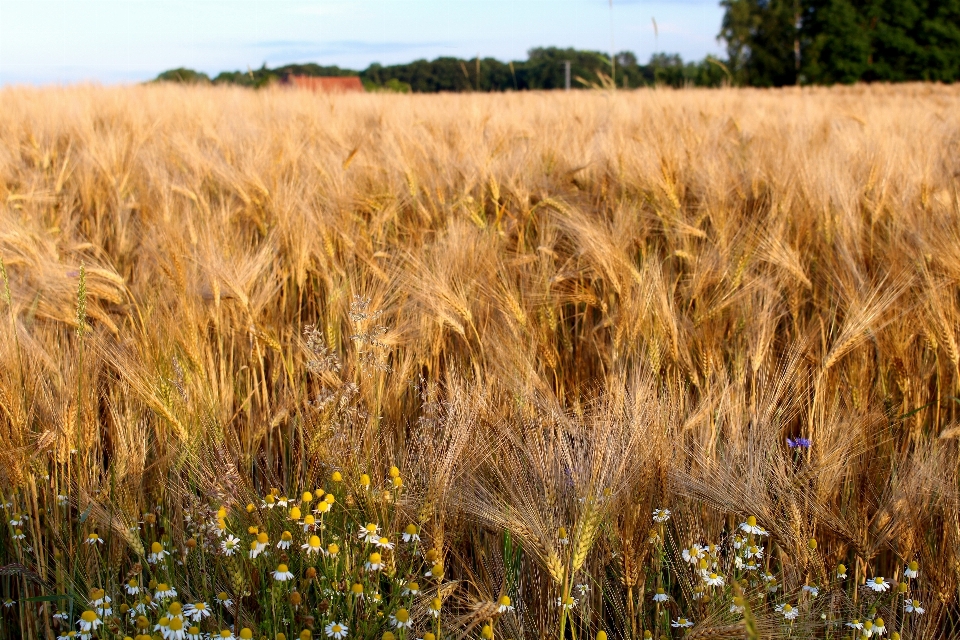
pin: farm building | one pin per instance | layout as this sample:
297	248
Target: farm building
326	84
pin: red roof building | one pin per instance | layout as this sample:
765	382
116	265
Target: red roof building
327	84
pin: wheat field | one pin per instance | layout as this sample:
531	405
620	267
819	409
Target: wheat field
511	326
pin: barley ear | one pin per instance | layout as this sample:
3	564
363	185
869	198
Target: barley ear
588	533
82	303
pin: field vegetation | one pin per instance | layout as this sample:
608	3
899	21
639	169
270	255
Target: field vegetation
506	331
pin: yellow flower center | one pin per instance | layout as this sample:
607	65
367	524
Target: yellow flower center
504	601
333	549
88	616
402	615
357	588
176	609
282	568
286	537
374	558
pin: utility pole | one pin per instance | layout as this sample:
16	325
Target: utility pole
566	75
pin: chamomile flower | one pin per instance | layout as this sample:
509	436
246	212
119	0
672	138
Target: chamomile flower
562	536
193	633
879	627
788	611
175	630
384	543
224	599
878	584
262	541
69	635
312	546
89	621
693	554
754	552
8	604
504	605
225	634
375	563
309	523
93	539
913	606
660	595
401	619
856	624
197	611
61	616
100	601
157	553
283	501
750	526
369	533
230	545
841	571
713	580
132	587
661	515
282	574
411	534
286	539
738	605
912	570
62	500
332	550
681	623
18	534
567	603
336	630
165	592
813	591
269	501
434	608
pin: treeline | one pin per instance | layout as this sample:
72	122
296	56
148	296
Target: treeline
544	68
784	42
769	43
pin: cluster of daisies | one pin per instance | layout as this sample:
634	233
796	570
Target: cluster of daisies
745	565
314	565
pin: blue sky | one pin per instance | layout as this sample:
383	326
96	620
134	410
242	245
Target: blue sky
111	41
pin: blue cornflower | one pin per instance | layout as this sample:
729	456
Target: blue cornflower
798	443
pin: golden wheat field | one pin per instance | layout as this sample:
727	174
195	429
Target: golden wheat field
649	364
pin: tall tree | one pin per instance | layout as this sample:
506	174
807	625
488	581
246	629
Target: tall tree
760	37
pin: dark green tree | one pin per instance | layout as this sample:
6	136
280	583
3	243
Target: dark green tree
761	36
